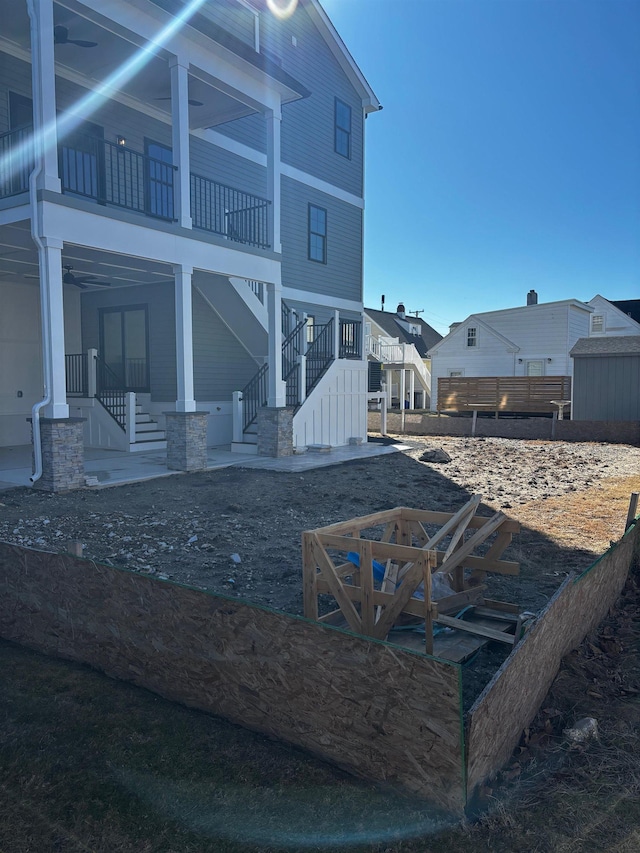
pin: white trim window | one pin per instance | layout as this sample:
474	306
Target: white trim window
597	324
535	367
472	336
452	372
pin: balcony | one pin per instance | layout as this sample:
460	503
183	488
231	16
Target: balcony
113	175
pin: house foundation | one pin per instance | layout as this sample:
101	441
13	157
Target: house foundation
275	432
186	440
62	445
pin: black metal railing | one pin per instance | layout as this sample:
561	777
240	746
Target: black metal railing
229	212
136	374
320	354
254	397
111	393
292	349
94	168
76	374
16	161
350	339
257	287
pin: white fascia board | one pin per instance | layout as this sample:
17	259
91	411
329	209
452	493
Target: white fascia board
323	186
241	150
138	241
604	302
15	214
331	36
474	319
296	295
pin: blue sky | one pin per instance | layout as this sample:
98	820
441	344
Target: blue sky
507	155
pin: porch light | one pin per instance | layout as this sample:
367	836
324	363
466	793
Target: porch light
120	140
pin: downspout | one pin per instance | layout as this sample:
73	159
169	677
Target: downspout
44	287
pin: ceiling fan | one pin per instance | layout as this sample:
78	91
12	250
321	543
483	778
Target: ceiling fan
192	102
61	36
82	281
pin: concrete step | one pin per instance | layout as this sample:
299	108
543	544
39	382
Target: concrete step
143	446
243	447
143	417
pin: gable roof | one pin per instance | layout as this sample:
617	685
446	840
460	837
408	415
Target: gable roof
619	345
630	307
476	319
389	322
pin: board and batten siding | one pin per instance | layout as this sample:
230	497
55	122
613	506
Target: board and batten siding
606	388
341	276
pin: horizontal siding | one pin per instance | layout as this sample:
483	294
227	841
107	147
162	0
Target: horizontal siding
341	276
221	364
227	168
606	388
249	130
162	336
308	124
231	16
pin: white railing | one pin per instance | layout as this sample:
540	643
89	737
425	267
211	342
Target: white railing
399	354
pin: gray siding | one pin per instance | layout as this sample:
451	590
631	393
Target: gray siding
227	168
231	16
341	276
159	299
606	388
221	364
308	124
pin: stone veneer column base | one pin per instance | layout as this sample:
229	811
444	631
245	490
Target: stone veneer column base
62	444
275	432
186	440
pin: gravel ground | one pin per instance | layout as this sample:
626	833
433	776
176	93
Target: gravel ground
237	531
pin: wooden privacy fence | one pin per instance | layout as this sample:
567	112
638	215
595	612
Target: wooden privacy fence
502	393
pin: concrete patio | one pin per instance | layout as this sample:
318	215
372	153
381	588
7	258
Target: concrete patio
111	468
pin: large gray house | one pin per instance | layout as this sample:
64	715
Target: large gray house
181	205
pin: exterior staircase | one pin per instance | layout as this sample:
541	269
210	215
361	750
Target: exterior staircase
148	436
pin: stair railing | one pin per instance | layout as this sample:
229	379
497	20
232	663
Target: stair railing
292	349
254	397
111	393
319	354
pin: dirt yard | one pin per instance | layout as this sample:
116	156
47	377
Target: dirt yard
237	531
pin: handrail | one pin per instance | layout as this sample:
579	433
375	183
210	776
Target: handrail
292	348
254	396
320	354
111	393
230	212
16	161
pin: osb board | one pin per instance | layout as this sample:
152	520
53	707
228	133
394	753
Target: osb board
512	698
380	712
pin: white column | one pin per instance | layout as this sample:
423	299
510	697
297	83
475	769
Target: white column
92	378
51	305
236	415
184	339
180	138
273	177
412	389
336	334
43	83
277	391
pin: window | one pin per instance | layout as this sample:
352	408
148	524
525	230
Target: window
317	234
535	367
455	372
159	179
472	336
597	323
343	129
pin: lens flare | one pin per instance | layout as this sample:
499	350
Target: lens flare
282	8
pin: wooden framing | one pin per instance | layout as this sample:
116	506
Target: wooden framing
380	579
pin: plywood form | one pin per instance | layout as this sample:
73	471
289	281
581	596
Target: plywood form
512	698
380	712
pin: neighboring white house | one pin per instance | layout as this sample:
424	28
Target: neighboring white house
181	187
400	343
530	340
